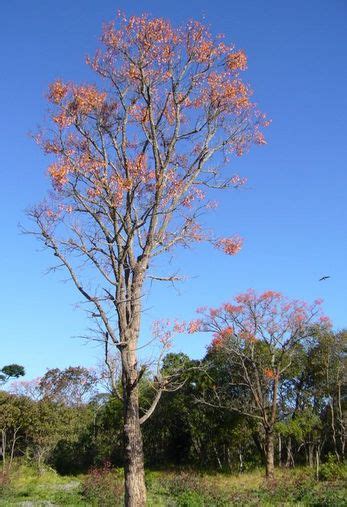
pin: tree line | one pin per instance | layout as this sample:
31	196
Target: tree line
66	419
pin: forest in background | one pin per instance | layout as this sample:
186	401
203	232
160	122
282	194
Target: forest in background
71	421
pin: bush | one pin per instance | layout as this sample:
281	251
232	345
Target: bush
332	470
104	486
190	499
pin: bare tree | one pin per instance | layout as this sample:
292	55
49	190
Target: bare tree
133	158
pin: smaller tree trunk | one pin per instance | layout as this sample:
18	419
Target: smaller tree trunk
333	428
269	454
13	446
220	466
240	460
342	414
317	462
289	453
230	464
311	454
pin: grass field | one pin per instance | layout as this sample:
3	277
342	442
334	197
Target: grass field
173	488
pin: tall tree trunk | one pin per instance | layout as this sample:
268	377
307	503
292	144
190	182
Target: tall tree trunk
129	316
269	454
134	469
134	472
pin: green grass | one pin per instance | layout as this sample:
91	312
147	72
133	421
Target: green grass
26	485
176	489
291	487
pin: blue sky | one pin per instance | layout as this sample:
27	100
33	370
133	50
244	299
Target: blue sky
292	215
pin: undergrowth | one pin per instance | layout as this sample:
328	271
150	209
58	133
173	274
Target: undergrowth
104	487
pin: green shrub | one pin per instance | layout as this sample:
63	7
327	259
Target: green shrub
190	499
331	470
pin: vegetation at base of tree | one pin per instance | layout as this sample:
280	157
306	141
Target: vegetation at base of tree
61	435
181	488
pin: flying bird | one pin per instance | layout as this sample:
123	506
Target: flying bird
324	278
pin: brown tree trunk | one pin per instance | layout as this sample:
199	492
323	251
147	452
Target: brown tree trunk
289	460
269	454
135	494
134	472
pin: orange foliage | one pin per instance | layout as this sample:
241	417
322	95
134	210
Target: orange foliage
58	173
269	373
230	246
57	91
237	61
194	326
140	139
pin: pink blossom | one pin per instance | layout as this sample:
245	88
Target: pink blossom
230	246
194	326
270	294
179	327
